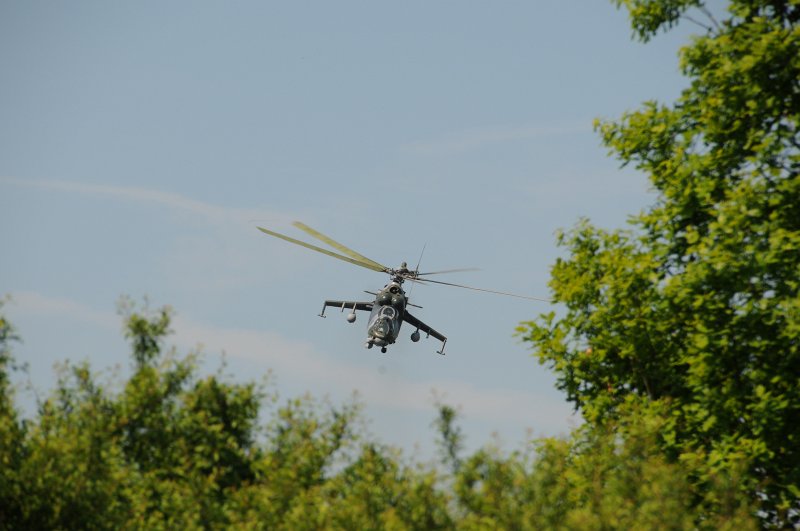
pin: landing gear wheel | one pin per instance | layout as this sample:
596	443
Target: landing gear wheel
383	350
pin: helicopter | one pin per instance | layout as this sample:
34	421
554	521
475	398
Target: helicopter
389	309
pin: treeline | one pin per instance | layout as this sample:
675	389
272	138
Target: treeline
678	341
170	449
691	318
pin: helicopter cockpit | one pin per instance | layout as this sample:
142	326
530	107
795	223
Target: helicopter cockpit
384	323
387	312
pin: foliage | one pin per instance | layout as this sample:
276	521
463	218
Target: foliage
11	431
170	449
611	478
692	317
452	440
678	343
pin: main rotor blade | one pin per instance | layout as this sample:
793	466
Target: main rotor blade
338	246
460	270
370	265
481	289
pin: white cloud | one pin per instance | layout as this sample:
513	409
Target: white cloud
32	303
177	202
299	362
295	361
261	346
219	257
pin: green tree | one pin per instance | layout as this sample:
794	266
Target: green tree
694	313
610	478
451	440
171	450
161	453
11	430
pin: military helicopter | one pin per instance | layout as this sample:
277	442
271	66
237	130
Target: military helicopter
389	309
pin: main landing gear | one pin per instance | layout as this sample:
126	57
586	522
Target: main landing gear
370	344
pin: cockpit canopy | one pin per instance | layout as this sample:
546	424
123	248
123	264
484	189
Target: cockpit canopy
388	312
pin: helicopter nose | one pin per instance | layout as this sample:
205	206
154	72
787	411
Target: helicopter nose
380	328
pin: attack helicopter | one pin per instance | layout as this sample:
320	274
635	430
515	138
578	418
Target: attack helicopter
389	310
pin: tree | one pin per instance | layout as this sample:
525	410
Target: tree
173	450
170	449
609	478
693	314
11	431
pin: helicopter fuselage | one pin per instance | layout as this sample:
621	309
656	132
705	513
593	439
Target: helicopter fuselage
388	310
386	316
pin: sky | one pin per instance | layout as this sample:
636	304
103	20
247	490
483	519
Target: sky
142	142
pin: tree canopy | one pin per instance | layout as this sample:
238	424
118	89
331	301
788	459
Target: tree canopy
168	448
693	313
677	340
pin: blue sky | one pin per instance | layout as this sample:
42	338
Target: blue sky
141	143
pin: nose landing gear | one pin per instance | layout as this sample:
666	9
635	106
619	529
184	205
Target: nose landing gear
371	342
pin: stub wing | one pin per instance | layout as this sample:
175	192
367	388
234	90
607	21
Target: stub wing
347	305
413	321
